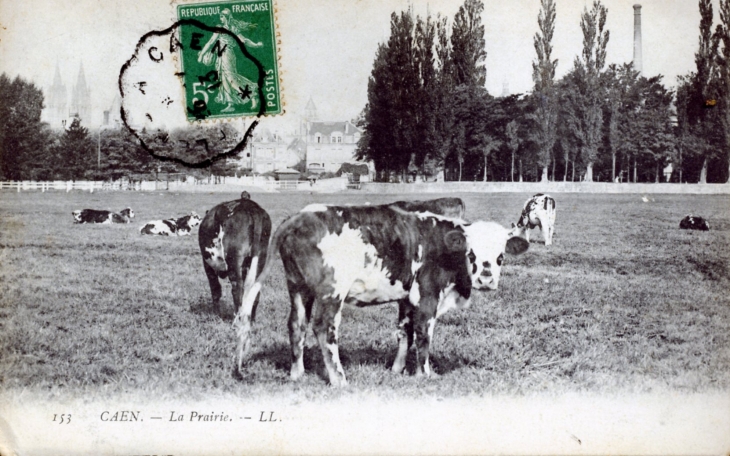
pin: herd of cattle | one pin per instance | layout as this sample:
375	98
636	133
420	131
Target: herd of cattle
421	254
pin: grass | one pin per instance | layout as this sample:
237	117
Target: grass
622	302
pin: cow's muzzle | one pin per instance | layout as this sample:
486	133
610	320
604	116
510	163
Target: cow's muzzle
485	283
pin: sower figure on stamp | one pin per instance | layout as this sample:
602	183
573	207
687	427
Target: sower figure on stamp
235	89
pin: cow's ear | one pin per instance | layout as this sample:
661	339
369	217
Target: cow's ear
516	245
513	225
455	241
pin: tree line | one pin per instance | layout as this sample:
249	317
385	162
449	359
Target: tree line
31	150
428	108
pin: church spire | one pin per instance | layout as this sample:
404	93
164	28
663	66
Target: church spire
56	111
81	101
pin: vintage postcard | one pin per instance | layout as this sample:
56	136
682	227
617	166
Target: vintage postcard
364	227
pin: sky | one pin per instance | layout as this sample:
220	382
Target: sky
328	46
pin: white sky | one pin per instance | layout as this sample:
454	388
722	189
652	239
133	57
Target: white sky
328	46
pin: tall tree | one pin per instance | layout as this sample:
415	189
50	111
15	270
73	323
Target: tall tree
704	122
722	33
76	152
513	142
22	135
394	126
427	142
589	122
468	45
544	97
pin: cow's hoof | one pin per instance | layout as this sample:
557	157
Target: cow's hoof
296	374
339	382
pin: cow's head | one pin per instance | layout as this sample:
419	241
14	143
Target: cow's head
519	231
215	254
77	216
487	243
194	220
128	212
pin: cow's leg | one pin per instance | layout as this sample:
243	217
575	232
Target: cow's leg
423	330
404	334
215	285
545	227
327	316
301	307
234	275
551	222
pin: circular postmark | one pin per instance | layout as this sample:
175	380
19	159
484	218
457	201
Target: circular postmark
180	78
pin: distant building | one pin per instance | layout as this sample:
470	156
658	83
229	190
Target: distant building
113	116
56	110
268	152
505	88
81	98
330	144
59	113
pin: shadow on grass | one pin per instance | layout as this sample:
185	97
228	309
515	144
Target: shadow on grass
278	357
204	306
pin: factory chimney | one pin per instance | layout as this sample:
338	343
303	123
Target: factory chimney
637	38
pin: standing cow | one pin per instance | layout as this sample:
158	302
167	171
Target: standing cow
335	255
539	211
233	239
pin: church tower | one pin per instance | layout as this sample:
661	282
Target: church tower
81	98
505	88
310	111
56	110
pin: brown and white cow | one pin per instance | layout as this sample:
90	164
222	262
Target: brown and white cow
538	211
172	227
233	239
96	216
367	255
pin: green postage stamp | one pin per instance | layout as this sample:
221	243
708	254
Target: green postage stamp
229	59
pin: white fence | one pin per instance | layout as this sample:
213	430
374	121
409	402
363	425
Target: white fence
260	184
87	186
228	185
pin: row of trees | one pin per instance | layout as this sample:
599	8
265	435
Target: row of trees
31	150
702	103
428	108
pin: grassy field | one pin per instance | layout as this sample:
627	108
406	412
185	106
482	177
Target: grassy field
622	302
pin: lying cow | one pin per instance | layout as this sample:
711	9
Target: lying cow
94	216
233	239
172	227
539	211
449	207
370	255
694	222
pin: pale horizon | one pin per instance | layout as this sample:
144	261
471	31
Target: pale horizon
328	46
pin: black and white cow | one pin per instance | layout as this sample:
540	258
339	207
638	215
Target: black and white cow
172	227
538	211
95	216
694	222
449	207
367	255
186	224
234	239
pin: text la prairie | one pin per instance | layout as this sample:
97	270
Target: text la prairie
194	416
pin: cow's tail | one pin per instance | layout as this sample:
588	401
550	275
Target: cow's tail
244	317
